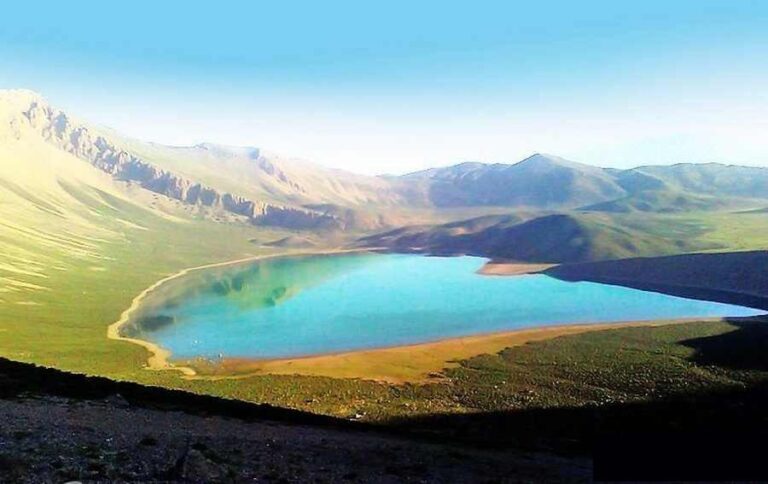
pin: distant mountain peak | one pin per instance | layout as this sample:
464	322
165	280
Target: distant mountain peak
545	159
470	164
228	150
250	175
538	156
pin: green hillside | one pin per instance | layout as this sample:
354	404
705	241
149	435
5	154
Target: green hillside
571	237
711	178
84	229
666	201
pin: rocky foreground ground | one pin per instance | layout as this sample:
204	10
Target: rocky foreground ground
52	434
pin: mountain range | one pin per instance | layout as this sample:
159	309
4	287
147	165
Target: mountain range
274	190
57	173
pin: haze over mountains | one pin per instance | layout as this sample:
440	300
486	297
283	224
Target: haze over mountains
272	190
59	174
546	181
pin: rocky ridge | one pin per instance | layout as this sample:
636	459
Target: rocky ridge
61	130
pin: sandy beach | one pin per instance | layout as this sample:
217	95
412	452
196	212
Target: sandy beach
511	268
418	363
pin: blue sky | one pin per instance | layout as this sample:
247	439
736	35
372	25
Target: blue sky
397	86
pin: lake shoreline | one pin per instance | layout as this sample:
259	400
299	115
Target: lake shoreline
160	358
498	267
732	297
727	277
434	355
571	273
410	363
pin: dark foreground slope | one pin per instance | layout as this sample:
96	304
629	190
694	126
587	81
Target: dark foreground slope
675	402
57	427
734	277
644	401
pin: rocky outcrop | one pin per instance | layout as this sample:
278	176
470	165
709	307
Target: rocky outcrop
254	157
297	217
59	129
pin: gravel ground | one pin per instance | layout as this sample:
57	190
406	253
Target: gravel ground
55	439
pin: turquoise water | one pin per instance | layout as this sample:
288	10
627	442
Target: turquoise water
321	304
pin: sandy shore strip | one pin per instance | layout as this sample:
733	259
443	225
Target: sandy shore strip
512	268
159	357
418	363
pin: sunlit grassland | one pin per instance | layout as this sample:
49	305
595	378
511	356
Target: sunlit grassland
58	315
712	231
65	324
603	367
736	231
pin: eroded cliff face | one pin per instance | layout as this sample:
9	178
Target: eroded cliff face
58	128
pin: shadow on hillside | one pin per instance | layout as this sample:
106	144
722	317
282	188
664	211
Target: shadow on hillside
712	434
24	380
699	435
744	348
735	407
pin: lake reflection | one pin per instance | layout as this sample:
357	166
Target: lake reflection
296	306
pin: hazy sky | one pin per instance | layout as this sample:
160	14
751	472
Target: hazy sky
395	86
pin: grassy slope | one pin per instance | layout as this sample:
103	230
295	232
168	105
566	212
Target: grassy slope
63	337
110	249
691	379
77	247
577	237
572	238
68	330
65	325
77	252
619	365
667	201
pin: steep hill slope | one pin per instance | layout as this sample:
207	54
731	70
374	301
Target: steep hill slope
55	210
418	237
65	223
554	238
260	175
111	155
264	189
